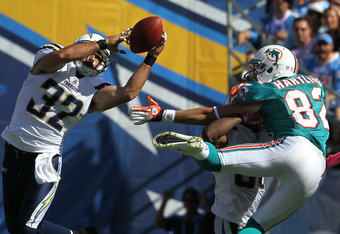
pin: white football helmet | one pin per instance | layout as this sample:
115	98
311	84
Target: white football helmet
273	62
103	65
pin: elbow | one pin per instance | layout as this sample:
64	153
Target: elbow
128	95
210	136
216	138
65	57
206	135
131	95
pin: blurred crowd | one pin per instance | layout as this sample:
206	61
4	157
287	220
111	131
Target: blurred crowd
311	29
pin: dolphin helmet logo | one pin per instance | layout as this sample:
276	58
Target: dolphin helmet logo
273	55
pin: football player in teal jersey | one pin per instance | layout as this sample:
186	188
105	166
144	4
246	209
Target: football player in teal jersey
292	107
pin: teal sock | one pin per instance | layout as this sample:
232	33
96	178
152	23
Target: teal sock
252	227
212	162
250	231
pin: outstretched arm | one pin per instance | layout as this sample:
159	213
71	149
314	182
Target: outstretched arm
196	116
205	115
111	96
54	61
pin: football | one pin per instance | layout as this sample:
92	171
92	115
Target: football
146	34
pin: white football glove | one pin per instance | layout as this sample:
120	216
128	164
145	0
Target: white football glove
141	115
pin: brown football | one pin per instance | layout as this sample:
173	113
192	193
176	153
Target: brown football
146	34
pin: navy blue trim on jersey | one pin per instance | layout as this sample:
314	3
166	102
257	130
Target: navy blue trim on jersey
102	86
52	46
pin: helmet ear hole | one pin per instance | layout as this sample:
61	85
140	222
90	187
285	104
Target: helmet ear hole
270	70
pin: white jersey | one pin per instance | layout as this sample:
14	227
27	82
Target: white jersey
49	106
236	196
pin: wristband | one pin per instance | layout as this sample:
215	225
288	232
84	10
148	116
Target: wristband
159	116
102	44
149	60
216	112
168	116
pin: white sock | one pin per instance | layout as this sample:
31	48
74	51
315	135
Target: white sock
204	153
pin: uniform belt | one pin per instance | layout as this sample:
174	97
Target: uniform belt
18	152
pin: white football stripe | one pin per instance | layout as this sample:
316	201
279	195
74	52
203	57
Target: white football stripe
141	133
157	92
16	51
203	9
172	207
214	14
160	93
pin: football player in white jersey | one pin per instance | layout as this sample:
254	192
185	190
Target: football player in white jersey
61	88
237	196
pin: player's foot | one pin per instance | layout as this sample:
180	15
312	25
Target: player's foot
188	145
87	230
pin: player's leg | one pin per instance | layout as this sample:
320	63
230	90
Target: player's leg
12	189
37	200
245	159
190	145
297	186
293	160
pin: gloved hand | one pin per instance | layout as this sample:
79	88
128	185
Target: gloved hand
141	115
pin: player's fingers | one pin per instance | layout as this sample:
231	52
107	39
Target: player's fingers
125	36
139	122
163	38
152	102
140	114
137	108
126	32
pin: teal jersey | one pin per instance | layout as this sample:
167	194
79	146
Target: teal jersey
293	106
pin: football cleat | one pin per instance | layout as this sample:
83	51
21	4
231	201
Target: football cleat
187	145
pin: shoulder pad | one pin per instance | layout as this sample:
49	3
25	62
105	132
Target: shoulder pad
52	46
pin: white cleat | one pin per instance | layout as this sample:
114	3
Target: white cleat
187	145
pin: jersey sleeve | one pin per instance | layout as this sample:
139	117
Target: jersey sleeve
46	49
254	92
